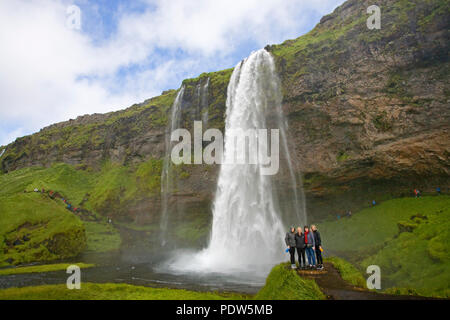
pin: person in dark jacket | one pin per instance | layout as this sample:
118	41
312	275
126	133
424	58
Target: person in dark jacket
318	242
310	246
290	242
300	245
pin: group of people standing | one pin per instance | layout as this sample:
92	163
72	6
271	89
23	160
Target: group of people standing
307	242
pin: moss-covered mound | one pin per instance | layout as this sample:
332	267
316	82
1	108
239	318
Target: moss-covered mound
285	284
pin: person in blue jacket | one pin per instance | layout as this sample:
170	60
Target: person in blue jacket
310	247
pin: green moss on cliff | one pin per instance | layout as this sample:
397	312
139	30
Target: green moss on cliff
216	95
117	186
84	135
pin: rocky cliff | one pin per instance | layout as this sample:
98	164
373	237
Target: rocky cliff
368	114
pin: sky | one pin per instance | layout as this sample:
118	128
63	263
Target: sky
56	65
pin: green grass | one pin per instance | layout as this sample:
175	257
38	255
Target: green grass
419	259
370	228
71	183
42	268
117	186
52	231
408	238
285	284
110	291
348	272
101	237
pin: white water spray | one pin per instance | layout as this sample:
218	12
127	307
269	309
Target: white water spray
247	229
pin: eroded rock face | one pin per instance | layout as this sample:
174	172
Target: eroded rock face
368	113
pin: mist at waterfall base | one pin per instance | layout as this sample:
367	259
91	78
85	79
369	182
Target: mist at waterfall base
249	222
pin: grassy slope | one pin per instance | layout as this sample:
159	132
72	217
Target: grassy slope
109	192
53	232
43	268
109	291
72	184
416	258
285	284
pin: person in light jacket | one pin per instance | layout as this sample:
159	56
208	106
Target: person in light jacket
290	242
310	247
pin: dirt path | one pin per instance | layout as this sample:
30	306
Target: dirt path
335	288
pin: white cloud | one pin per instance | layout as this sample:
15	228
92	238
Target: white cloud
49	73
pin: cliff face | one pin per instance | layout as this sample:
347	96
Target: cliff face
369	109
368	114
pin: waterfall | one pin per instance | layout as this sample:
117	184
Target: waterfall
247	228
167	180
181	110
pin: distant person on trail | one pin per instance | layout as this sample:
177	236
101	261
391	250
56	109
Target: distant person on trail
290	242
417	193
300	245
374	202
318	246
310	245
438	190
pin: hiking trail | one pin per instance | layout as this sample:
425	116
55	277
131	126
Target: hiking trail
334	287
